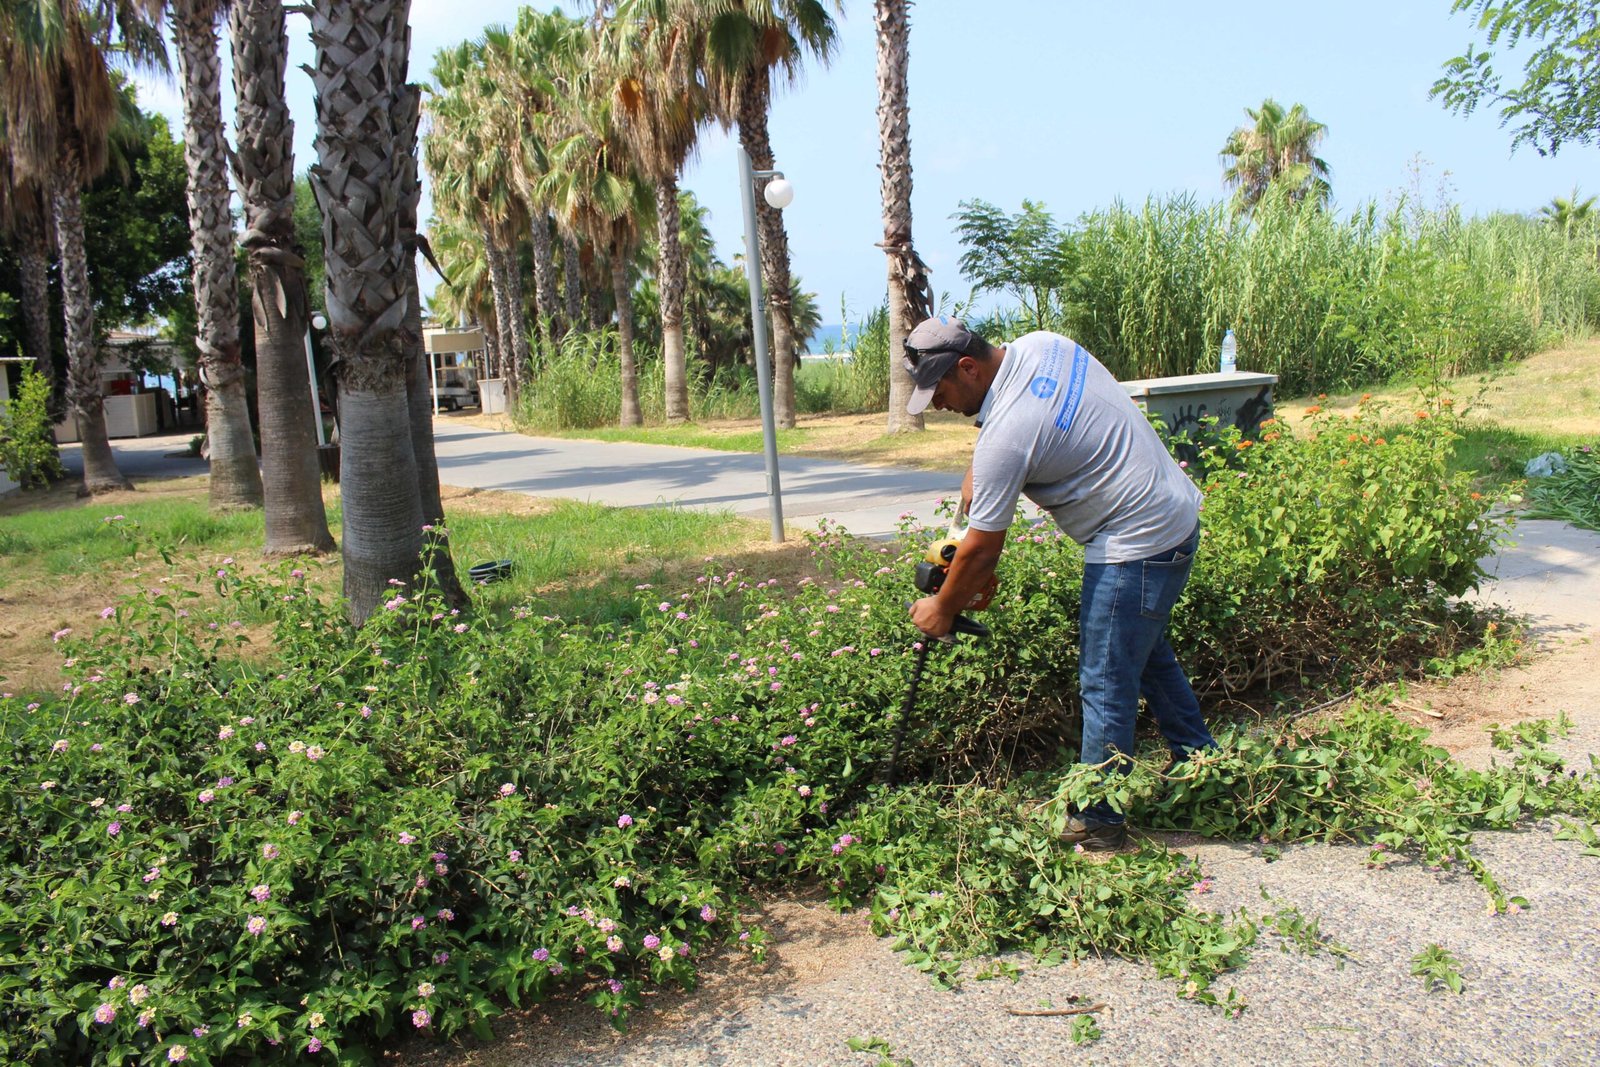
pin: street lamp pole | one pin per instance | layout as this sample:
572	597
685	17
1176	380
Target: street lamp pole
311	373
778	194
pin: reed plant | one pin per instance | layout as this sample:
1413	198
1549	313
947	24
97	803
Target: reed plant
1321	300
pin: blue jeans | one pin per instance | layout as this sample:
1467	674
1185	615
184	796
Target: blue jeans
1124	654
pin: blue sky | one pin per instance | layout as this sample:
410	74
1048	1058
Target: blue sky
1074	103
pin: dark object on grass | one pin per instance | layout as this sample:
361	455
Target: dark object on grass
492	571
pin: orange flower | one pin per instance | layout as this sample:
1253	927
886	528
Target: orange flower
1421	415
1381	441
1446	402
1322	396
1313	409
1271	437
1268	422
1242	445
1353	438
1344	463
1365	397
1477	496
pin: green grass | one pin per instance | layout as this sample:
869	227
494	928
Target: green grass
579	559
585	560
1497	455
66	541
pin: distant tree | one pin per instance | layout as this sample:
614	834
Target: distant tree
1279	148
1568	214
1559	98
1020	254
62	106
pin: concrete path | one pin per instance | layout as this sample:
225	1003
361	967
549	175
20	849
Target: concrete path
867	500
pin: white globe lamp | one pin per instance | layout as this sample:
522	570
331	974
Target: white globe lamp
779	193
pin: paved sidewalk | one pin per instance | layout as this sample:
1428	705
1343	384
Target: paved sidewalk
867	500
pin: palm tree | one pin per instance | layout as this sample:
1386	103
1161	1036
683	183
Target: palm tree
60	105
910	300
651	63
1277	150
364	142
296	520
25	220
1569	214
235	475
530	63
747	43
599	194
469	156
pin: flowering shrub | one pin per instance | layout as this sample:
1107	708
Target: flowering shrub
214	856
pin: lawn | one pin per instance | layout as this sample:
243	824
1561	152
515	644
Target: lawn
63	559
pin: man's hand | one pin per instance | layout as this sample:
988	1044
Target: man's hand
931	617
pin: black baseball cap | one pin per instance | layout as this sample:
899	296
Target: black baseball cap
932	348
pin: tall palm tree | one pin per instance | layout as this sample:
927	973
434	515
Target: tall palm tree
1278	149
1569	214
360	178
534	62
748	43
651	61
25	220
598	193
235	475
469	148
910	300
60	106
296	520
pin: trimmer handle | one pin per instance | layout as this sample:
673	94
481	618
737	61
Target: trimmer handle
963	625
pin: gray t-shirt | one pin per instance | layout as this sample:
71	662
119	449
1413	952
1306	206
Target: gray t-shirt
1058	427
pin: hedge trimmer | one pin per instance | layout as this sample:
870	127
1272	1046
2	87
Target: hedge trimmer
929	579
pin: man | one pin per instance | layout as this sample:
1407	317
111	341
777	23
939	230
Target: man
1056	426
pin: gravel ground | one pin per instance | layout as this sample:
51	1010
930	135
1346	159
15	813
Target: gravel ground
1532	991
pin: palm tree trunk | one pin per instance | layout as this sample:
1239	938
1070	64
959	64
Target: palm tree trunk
572	278
630	373
296	519
419	374
544	278
597	282
909	301
235	476
672	283
361	177
33	263
774	249
84	403
499	289
518	323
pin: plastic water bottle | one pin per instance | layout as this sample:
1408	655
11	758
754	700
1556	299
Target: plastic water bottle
1230	353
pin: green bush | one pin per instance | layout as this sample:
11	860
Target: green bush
402	829
27	438
577	386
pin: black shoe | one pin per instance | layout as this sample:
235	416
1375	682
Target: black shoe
1095	836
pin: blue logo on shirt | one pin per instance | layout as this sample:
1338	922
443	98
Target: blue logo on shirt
1042	387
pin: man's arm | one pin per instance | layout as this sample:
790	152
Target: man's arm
970	571
966	494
